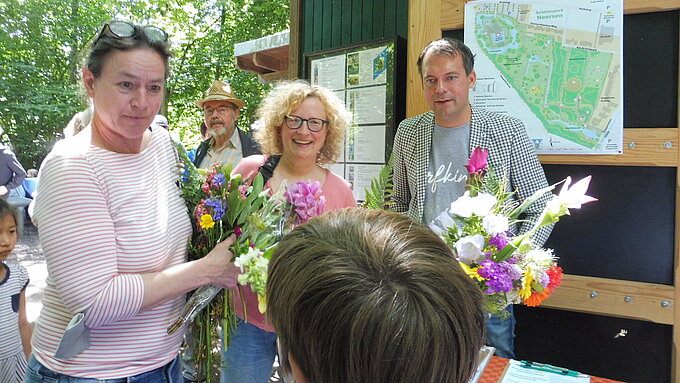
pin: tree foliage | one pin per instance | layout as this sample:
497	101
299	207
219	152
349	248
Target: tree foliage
43	44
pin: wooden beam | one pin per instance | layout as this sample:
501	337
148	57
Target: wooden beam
271	77
269	62
423	26
453	11
644	6
647	301
641	147
245	63
294	39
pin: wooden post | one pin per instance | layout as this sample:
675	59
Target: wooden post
424	25
294	42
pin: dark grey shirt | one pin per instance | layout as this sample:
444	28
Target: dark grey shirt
446	175
12	174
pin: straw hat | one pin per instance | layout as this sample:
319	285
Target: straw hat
220	91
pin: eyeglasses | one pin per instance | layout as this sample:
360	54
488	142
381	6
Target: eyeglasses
313	124
219	110
123	29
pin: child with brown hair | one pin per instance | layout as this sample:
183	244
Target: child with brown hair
15	331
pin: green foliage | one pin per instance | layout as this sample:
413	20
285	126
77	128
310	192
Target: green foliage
43	44
380	193
207	55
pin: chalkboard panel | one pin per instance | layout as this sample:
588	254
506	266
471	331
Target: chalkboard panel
456	34
629	233
587	343
650	69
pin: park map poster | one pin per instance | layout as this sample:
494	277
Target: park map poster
555	65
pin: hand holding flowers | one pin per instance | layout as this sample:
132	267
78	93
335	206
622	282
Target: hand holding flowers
239	218
219	266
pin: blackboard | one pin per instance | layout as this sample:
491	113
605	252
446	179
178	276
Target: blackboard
628	234
650	70
588	343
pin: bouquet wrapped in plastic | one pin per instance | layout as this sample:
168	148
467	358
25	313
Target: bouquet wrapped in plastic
219	206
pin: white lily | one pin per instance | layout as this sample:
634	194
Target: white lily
575	196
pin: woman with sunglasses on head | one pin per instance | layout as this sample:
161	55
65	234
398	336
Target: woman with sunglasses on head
114	228
302	128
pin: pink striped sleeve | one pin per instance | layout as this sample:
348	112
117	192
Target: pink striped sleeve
79	242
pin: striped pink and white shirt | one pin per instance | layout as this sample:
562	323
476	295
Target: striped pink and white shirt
104	218
15	281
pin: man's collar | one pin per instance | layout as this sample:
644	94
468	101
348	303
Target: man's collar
235	140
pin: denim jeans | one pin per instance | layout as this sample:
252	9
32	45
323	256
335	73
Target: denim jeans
250	355
37	373
500	333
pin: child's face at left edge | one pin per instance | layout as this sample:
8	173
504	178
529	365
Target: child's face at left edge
8	235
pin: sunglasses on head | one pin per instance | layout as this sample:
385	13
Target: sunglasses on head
123	29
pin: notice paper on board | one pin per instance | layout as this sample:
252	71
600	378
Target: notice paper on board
517	372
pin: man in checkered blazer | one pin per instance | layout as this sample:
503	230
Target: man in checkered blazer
431	149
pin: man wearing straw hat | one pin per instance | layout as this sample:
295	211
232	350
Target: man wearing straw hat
221	109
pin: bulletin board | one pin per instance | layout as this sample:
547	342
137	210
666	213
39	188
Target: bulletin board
365	77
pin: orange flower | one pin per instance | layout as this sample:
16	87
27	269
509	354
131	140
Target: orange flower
537	298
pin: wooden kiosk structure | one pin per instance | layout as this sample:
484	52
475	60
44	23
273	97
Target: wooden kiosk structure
651	146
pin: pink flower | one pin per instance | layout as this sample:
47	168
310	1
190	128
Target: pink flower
206	188
243	190
477	162
307	199
200	210
237	231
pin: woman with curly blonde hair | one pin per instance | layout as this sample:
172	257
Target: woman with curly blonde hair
301	128
280	103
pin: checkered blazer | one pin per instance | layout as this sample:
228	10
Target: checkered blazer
510	152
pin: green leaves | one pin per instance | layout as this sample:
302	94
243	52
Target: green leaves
43	44
380	193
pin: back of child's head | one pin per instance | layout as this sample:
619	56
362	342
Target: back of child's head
7	209
369	296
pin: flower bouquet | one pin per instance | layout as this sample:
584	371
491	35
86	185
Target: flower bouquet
219	206
302	201
508	268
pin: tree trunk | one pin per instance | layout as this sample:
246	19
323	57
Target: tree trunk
220	38
73	63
